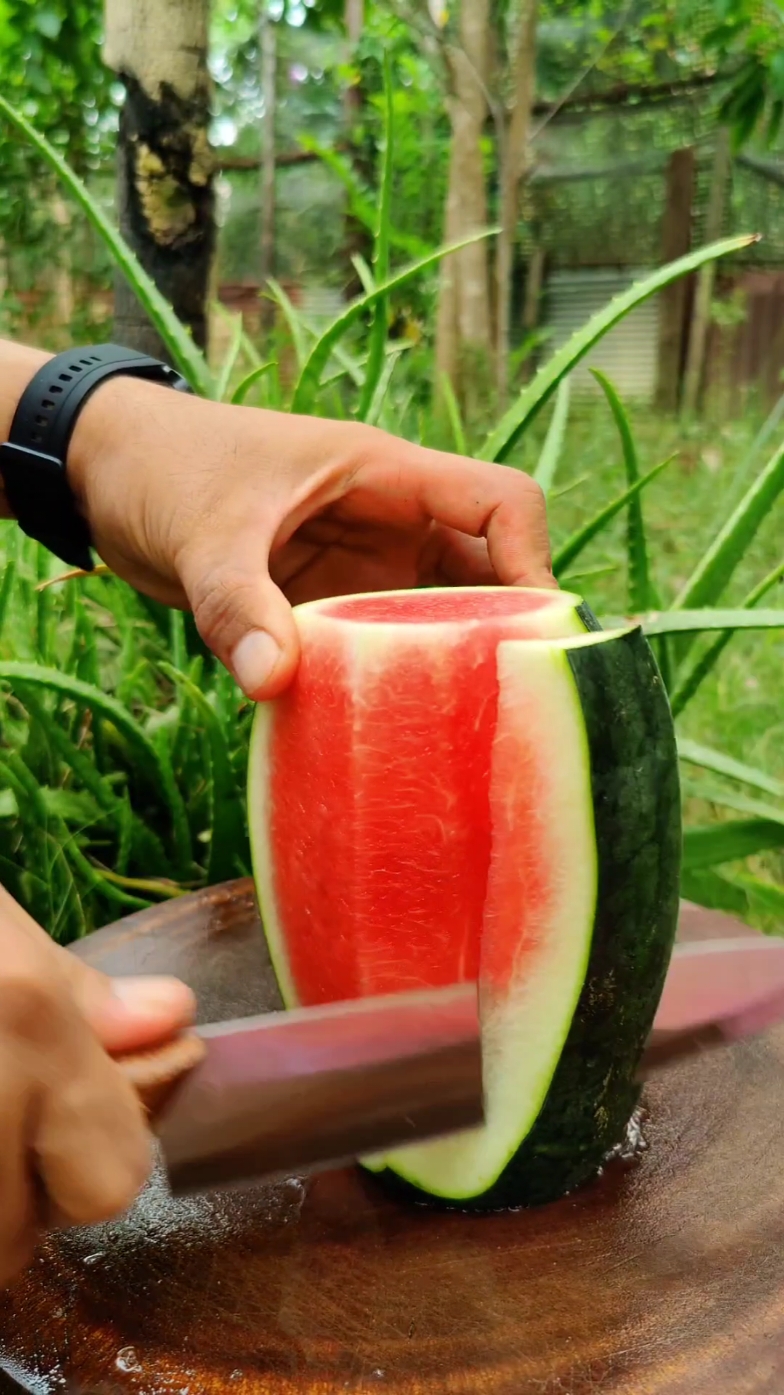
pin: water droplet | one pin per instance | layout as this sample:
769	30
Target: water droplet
379	1374
236	1375
93	1259
127	1360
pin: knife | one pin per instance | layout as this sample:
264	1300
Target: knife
717	992
300	1091
312	1088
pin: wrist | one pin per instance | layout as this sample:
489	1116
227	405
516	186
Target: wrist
18	365
113	417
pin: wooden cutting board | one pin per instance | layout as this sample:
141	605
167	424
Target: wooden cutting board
665	1277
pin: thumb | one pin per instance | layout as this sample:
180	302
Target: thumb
128	1014
241	614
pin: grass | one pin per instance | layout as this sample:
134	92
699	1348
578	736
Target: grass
738	708
123	748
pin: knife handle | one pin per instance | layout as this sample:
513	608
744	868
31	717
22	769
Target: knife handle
154	1073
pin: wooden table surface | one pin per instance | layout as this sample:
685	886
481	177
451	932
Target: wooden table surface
665	1277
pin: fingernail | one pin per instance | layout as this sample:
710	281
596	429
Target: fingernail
253	660
149	997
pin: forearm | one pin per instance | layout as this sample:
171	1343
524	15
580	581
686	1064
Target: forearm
17	366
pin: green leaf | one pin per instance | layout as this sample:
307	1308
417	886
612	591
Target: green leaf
715	568
183	846
729	842
388	367
571	578
546	466
738	486
361	204
574	545
6	588
378	329
179	344
130	828
99	703
766	898
366	278
227	831
730	799
690	681
299	334
72	806
47	23
37	822
229	362
98	882
177	645
163	887
453	412
533	397
256	374
640	592
568	488
310	376
248	347
679	622
721	764
707	887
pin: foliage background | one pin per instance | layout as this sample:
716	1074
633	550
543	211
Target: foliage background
122	742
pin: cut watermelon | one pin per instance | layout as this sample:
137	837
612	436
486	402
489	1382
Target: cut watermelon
479	782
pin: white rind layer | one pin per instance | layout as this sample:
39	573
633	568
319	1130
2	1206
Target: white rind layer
539	710
524	1031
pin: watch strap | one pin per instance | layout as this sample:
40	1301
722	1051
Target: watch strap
33	459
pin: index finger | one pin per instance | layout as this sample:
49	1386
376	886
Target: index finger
483	500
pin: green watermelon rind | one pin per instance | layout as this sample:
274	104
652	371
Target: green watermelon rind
587	1090
593	1092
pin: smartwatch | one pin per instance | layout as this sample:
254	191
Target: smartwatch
33	461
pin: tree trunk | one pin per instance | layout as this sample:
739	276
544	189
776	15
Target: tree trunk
700	320
534	281
62	280
447	337
269	69
158	48
513	164
673	301
463	326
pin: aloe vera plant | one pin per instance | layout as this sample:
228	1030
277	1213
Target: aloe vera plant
123	741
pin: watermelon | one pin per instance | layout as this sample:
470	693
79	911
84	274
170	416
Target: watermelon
479	783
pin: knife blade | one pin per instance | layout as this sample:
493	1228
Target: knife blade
312	1088
716	993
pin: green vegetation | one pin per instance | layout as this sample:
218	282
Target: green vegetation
123	743
127	785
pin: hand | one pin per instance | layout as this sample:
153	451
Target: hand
75	1147
239	513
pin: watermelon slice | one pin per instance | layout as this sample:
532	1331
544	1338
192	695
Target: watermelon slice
479	783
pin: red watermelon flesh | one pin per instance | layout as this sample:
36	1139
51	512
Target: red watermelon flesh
479	784
370	796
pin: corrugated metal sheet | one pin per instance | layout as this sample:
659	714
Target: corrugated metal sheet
320	304
628	353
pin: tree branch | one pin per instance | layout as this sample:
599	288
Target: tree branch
630	93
